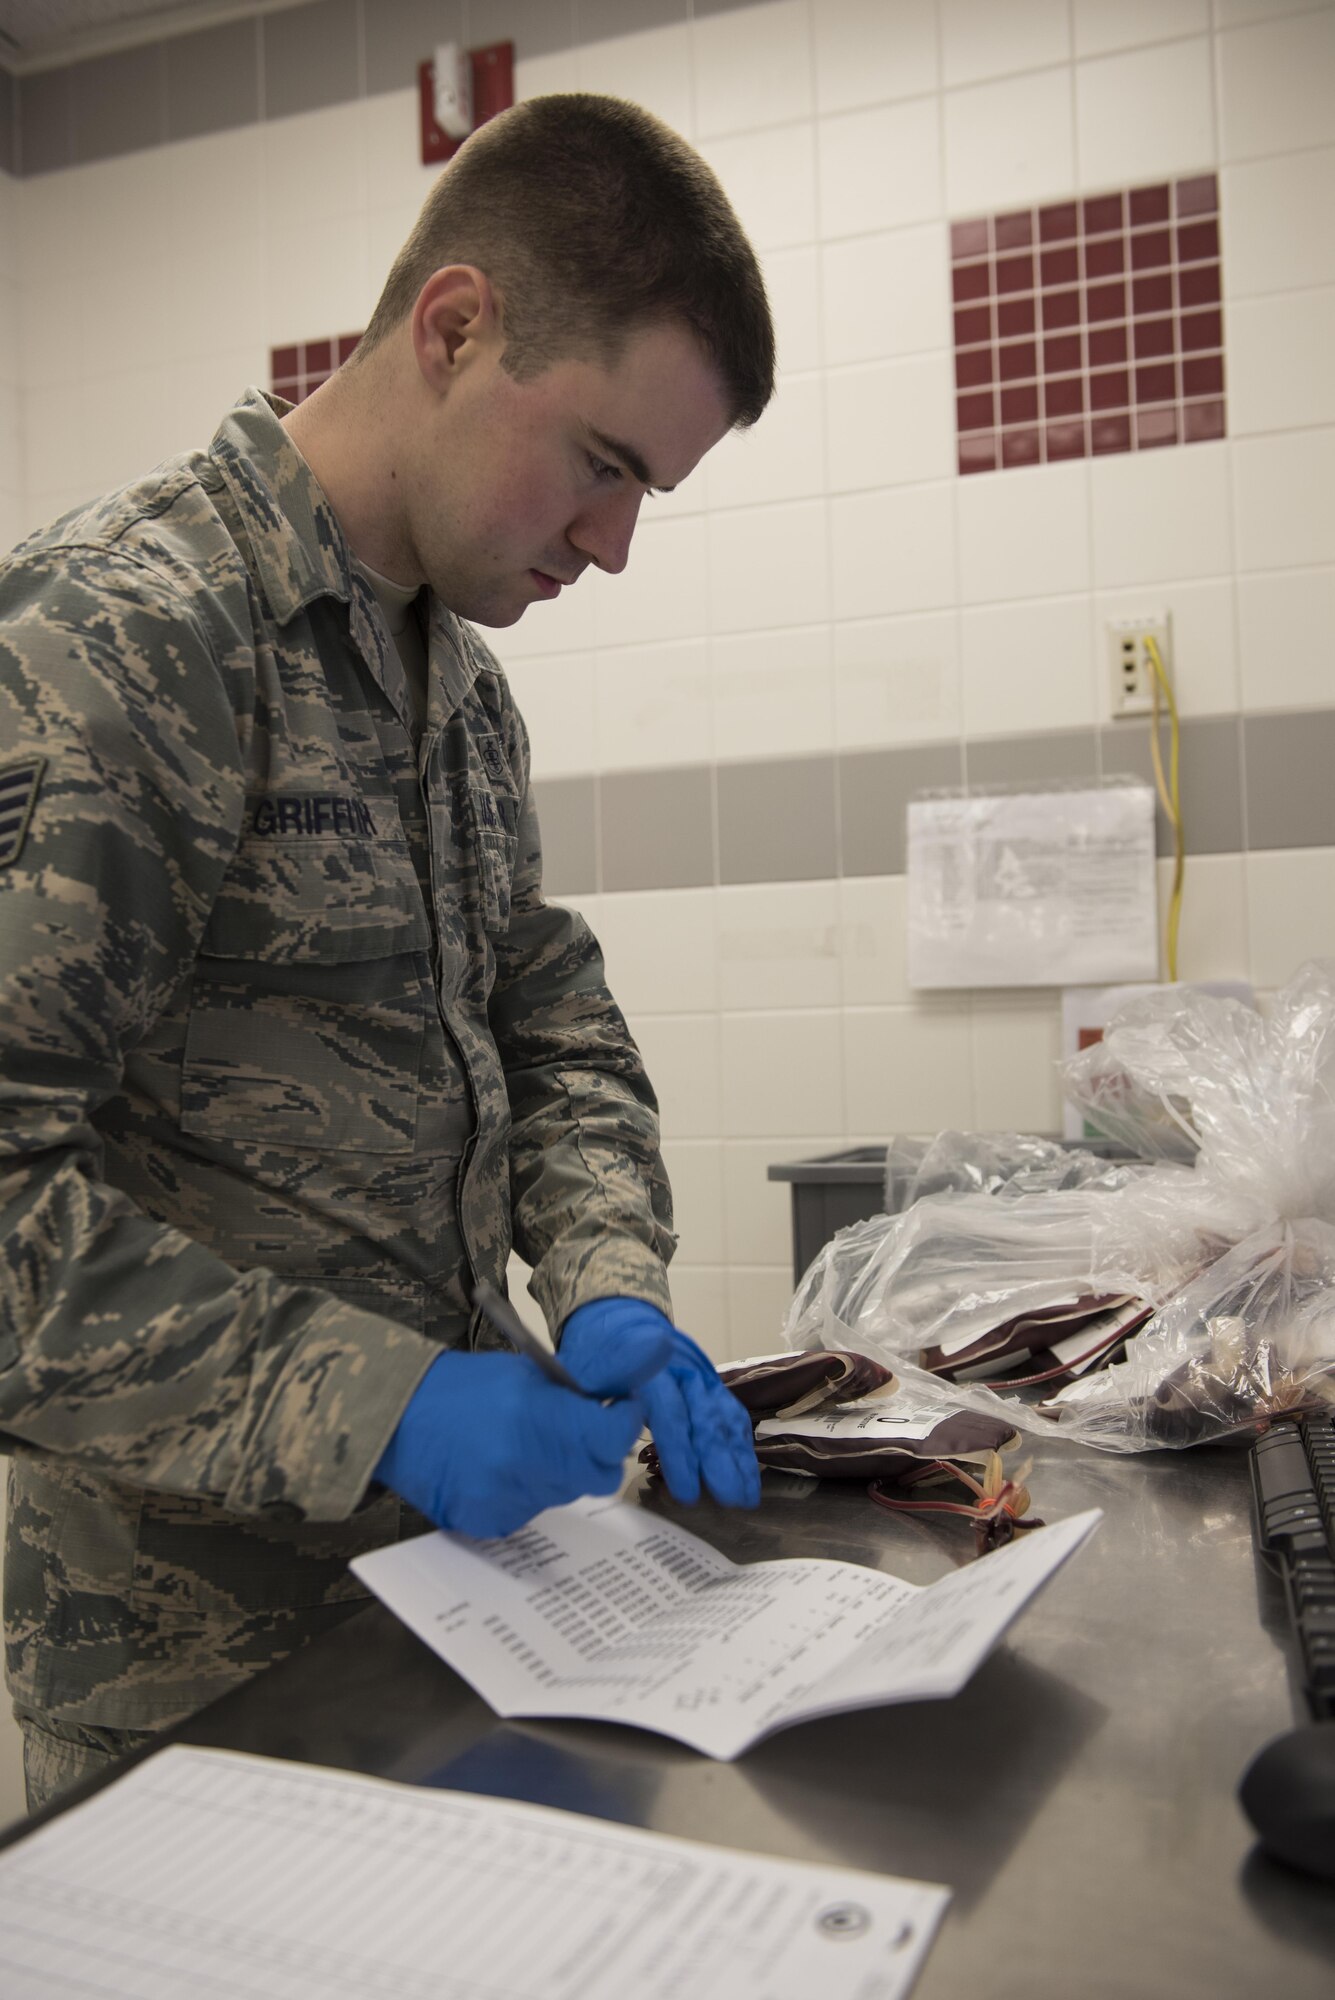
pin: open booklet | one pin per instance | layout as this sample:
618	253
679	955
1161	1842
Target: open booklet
608	1612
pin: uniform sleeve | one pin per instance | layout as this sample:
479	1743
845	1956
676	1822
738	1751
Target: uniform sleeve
590	1197
123	1342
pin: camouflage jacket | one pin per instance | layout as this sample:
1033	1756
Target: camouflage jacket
288	1038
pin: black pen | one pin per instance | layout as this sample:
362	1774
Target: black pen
502	1315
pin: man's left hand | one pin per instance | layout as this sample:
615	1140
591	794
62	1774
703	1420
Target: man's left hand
700	1430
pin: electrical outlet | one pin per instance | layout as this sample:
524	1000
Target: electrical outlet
1131	682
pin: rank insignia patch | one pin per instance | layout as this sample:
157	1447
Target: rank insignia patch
18	795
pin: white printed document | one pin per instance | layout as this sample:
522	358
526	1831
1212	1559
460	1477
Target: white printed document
607	1612
1041	888
213	1875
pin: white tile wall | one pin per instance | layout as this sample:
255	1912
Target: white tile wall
1290	911
980	40
1034	659
1145	114
752	67
1280	375
653	706
879	168
779	946
891	422
1274	86
1009	143
652	68
827	581
1024	534
1267	211
892	551
780	459
1285	499
897	680
1286	637
768	566
770	179
1104	25
1158	516
773	693
885	295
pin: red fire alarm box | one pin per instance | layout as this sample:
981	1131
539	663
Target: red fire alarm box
493	76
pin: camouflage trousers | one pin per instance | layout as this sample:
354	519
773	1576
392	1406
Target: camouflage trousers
59	1755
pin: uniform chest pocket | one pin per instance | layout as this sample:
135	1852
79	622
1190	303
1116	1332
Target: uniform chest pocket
308	1011
494	817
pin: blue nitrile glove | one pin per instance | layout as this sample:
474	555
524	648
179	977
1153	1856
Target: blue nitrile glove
700	1430
487	1441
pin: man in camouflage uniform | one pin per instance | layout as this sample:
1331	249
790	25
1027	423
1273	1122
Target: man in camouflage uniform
290	1038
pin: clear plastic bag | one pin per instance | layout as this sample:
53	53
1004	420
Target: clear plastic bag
1236	1250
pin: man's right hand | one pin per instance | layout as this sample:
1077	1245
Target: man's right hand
487	1441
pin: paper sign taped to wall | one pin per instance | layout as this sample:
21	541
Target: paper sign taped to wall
1039	888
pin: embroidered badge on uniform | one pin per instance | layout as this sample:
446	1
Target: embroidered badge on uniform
18	795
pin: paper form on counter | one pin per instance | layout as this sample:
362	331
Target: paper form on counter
607	1612
215	1874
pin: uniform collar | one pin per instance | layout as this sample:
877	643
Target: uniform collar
300	553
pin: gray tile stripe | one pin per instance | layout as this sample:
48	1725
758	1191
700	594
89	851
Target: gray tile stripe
273	65
1249	784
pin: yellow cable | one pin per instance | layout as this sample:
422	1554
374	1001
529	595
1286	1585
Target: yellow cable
1169	794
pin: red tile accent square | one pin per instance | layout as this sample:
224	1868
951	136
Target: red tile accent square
1201	330
1110	390
1201	421
1060	309
1203	375
1157	383
1014	317
1198	285
1059	267
1014	232
317	357
1125	288
1149	204
968	239
973	368
1016	274
284	362
1020	406
348	343
1061	353
1152	337
972	325
1107	346
1020	447
1196	240
1065	441
970	281
1153	294
1151	249
1017	361
1105	257
1103	302
1155	427
1199	196
1065	397
1110	434
289	389
1058	223
976	413
979	453
1102	213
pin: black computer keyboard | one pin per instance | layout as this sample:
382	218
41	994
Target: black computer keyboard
1293	1485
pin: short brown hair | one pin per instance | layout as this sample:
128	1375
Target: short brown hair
592	219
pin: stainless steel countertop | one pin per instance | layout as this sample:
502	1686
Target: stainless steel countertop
1078	1797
